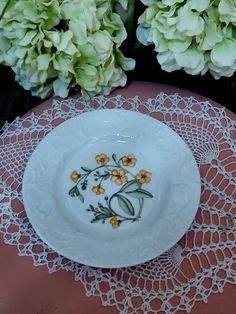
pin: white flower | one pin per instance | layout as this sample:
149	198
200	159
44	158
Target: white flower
55	45
194	35
191	60
168	61
189	23
223	53
227	11
210	37
198	5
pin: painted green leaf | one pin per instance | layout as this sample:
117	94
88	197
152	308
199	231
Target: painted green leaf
71	192
86	169
130	186
84	186
80	196
140	193
107	211
114	158
94	220
107	176
104	210
125	205
74	191
99	217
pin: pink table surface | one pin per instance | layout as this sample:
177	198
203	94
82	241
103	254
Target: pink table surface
26	289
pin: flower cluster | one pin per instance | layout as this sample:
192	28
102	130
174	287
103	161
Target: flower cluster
75	176
196	35
114	222
129	189
118	176
55	45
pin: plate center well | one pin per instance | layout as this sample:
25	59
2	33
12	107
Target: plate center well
108	185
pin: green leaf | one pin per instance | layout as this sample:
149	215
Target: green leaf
100	205
94	220
84	186
86	169
99	217
91	207
126	205
74	191
130	186
80	196
114	158
140	193
107	211
106	177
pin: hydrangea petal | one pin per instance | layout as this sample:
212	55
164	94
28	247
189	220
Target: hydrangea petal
198	5
223	54
191	58
60	88
189	22
211	36
168	62
43	61
179	45
68	42
227	11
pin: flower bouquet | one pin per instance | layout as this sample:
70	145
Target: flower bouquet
54	46
194	35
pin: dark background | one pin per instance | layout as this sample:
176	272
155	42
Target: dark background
222	91
14	101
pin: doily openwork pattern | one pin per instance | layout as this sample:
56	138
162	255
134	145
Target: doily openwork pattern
201	263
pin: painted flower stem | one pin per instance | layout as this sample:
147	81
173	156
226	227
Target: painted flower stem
118	215
129	199
85	176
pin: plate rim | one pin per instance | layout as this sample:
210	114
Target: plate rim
58	250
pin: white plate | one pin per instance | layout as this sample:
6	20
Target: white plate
132	216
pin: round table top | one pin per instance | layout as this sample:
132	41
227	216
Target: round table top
27	289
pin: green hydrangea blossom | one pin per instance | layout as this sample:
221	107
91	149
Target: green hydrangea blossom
194	35
55	45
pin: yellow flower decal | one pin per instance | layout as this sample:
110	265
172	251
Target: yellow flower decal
102	159
118	176
75	176
127	188
114	222
129	160
143	176
98	189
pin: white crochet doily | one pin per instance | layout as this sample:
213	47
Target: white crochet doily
205	258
